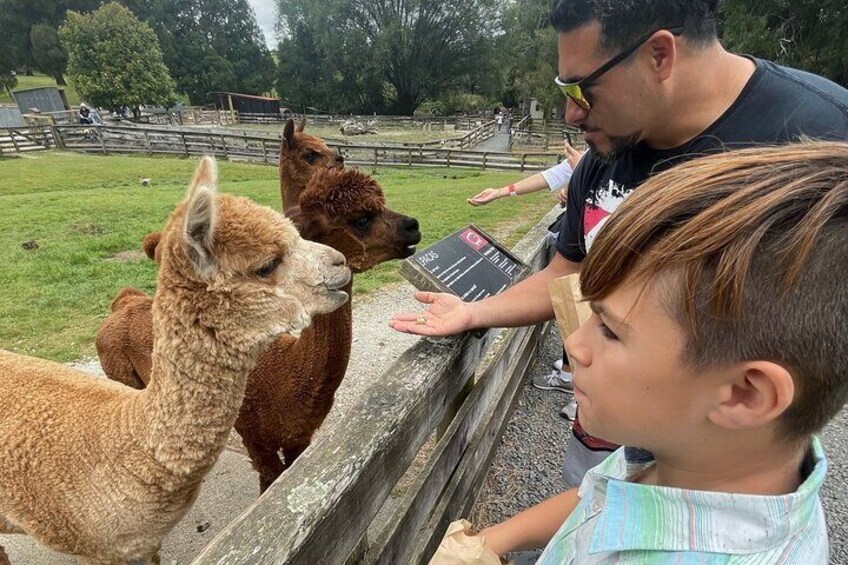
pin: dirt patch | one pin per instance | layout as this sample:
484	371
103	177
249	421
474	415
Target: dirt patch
125	256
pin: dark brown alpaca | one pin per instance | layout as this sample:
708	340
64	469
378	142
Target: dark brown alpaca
301	155
345	210
291	390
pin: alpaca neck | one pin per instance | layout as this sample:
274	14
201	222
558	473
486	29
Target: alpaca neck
196	387
289	193
331	334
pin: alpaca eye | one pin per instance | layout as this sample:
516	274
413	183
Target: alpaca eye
268	269
310	157
362	223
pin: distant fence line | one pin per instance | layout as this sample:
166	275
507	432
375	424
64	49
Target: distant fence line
259	147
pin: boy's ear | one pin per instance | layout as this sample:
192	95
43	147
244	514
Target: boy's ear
758	394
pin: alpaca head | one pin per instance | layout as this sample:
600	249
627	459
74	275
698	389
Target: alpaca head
239	270
346	210
301	155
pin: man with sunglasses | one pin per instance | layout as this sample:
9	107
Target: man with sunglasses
650	86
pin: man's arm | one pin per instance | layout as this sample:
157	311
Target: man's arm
533	528
526	303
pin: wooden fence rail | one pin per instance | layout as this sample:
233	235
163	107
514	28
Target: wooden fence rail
265	148
320	510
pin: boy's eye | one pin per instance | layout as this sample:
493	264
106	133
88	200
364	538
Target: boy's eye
267	269
606	331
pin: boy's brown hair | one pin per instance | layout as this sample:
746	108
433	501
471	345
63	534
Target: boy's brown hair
754	247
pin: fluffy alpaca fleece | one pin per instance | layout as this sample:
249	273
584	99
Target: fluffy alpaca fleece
291	390
101	471
301	155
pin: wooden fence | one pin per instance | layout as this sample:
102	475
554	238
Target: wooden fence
25	139
264	148
320	510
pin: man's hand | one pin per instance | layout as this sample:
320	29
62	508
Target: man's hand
447	315
488	195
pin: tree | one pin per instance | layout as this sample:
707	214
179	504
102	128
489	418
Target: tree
396	52
114	59
17	17
810	35
210	45
48	54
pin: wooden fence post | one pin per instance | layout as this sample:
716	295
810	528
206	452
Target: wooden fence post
102	140
409	156
185	145
264	151
484	160
449	152
147	143
57	137
523	158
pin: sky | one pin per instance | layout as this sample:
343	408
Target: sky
265	11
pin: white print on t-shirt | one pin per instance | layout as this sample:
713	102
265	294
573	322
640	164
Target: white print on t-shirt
599	208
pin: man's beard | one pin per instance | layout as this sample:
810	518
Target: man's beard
620	145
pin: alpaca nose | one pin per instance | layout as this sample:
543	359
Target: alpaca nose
410	224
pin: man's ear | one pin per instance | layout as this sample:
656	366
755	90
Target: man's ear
757	394
663	50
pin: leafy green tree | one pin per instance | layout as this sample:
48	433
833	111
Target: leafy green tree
528	49
210	45
114	59
17	17
810	35
390	54
48	54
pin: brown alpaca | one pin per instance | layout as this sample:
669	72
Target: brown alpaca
101	471
344	209
301	155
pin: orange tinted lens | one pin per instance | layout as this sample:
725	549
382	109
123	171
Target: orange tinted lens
575	93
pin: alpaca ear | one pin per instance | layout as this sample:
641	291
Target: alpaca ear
199	221
150	244
288	134
302	124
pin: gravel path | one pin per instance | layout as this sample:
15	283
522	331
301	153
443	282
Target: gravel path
526	468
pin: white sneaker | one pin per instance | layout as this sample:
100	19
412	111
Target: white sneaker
558	364
569	411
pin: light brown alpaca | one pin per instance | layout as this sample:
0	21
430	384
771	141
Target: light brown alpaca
101	471
124	341
301	155
292	388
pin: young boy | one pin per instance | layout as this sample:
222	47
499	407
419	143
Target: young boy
719	344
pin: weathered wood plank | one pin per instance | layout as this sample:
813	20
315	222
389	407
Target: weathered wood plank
319	509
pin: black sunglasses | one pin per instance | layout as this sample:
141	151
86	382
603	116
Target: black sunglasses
576	91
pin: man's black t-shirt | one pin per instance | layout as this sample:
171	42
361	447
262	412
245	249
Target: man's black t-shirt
778	105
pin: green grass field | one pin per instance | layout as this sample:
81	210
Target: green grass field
38	80
83	210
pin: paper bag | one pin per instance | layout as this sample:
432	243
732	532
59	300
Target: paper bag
459	547
568	304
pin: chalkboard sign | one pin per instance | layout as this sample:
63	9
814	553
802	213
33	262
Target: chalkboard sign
468	263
